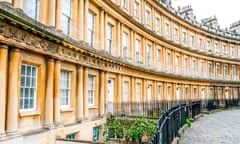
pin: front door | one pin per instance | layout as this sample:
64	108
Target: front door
178	95
110	95
203	96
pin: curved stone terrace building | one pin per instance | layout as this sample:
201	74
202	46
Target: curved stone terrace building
63	63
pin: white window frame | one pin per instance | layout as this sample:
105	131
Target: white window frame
110	37
157	25
166	29
136	9
200	43
91	28
184	38
66	16
185	65
137	51
175	34
138	92
125	44
31	8
192	40
28	84
125	91
148	53
91	90
65	88
148	18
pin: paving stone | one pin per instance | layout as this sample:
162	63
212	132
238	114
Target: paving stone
216	128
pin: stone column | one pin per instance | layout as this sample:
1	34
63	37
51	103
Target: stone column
85	92
49	94
133	93
18	4
102	92
57	71
59	15
86	20
80	93
119	88
3	86
13	89
51	12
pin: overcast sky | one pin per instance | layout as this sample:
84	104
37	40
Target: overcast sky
226	11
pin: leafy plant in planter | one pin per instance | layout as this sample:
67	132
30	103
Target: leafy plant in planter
130	130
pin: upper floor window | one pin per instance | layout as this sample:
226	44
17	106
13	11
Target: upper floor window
218	69
91	29
91	90
233	71
184	38
66	16
192	41
177	60
225	70
28	88
208	45
231	51
157	25
125	91
31	8
148	18
110	37
202	67
194	66
175	34
148	54
185	65
125	44
124	4
168	59
158	56
166	29
137	52
138	92
199	42
216	47
65	88
136	9
209	69
224	49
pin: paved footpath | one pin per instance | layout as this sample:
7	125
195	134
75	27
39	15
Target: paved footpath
216	128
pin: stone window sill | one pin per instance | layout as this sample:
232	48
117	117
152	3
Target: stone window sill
70	109
92	107
29	113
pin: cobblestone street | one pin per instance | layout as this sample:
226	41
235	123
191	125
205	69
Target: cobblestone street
217	128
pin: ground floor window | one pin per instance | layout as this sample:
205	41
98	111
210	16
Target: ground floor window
96	134
71	136
28	90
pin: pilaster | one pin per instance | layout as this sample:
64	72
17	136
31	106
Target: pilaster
3	87
80	93
57	71
49	94
85	91
12	99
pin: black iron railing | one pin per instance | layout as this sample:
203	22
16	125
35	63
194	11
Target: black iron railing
172	120
151	109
